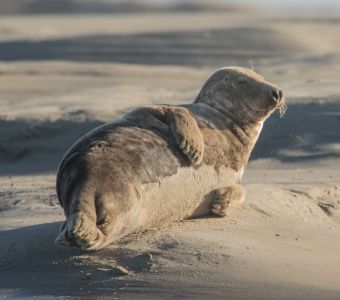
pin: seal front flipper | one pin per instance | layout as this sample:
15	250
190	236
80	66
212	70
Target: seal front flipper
183	127
187	133
226	199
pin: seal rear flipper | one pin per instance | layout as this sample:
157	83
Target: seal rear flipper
81	233
80	229
62	239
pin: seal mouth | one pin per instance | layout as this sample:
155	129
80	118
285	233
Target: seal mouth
257	109
280	105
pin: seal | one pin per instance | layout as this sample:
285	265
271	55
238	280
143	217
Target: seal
162	163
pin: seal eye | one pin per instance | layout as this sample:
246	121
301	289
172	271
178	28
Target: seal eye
242	82
226	79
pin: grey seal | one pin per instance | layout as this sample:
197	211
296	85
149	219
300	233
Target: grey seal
163	163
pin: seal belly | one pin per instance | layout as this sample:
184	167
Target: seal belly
186	194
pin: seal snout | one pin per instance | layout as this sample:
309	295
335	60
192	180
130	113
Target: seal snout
276	94
277	97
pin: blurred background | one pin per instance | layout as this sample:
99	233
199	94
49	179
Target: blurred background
118	6
67	66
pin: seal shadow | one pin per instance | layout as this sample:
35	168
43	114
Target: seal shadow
32	265
203	210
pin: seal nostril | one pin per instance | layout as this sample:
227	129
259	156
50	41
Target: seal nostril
275	95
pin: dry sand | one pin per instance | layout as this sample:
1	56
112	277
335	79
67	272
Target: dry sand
61	76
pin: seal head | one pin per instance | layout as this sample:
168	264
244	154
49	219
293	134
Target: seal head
243	93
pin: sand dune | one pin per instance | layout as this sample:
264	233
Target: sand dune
62	79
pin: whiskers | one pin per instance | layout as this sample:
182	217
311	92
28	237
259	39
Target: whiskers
282	110
234	63
250	114
251	64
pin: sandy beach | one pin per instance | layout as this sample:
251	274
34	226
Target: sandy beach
63	75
